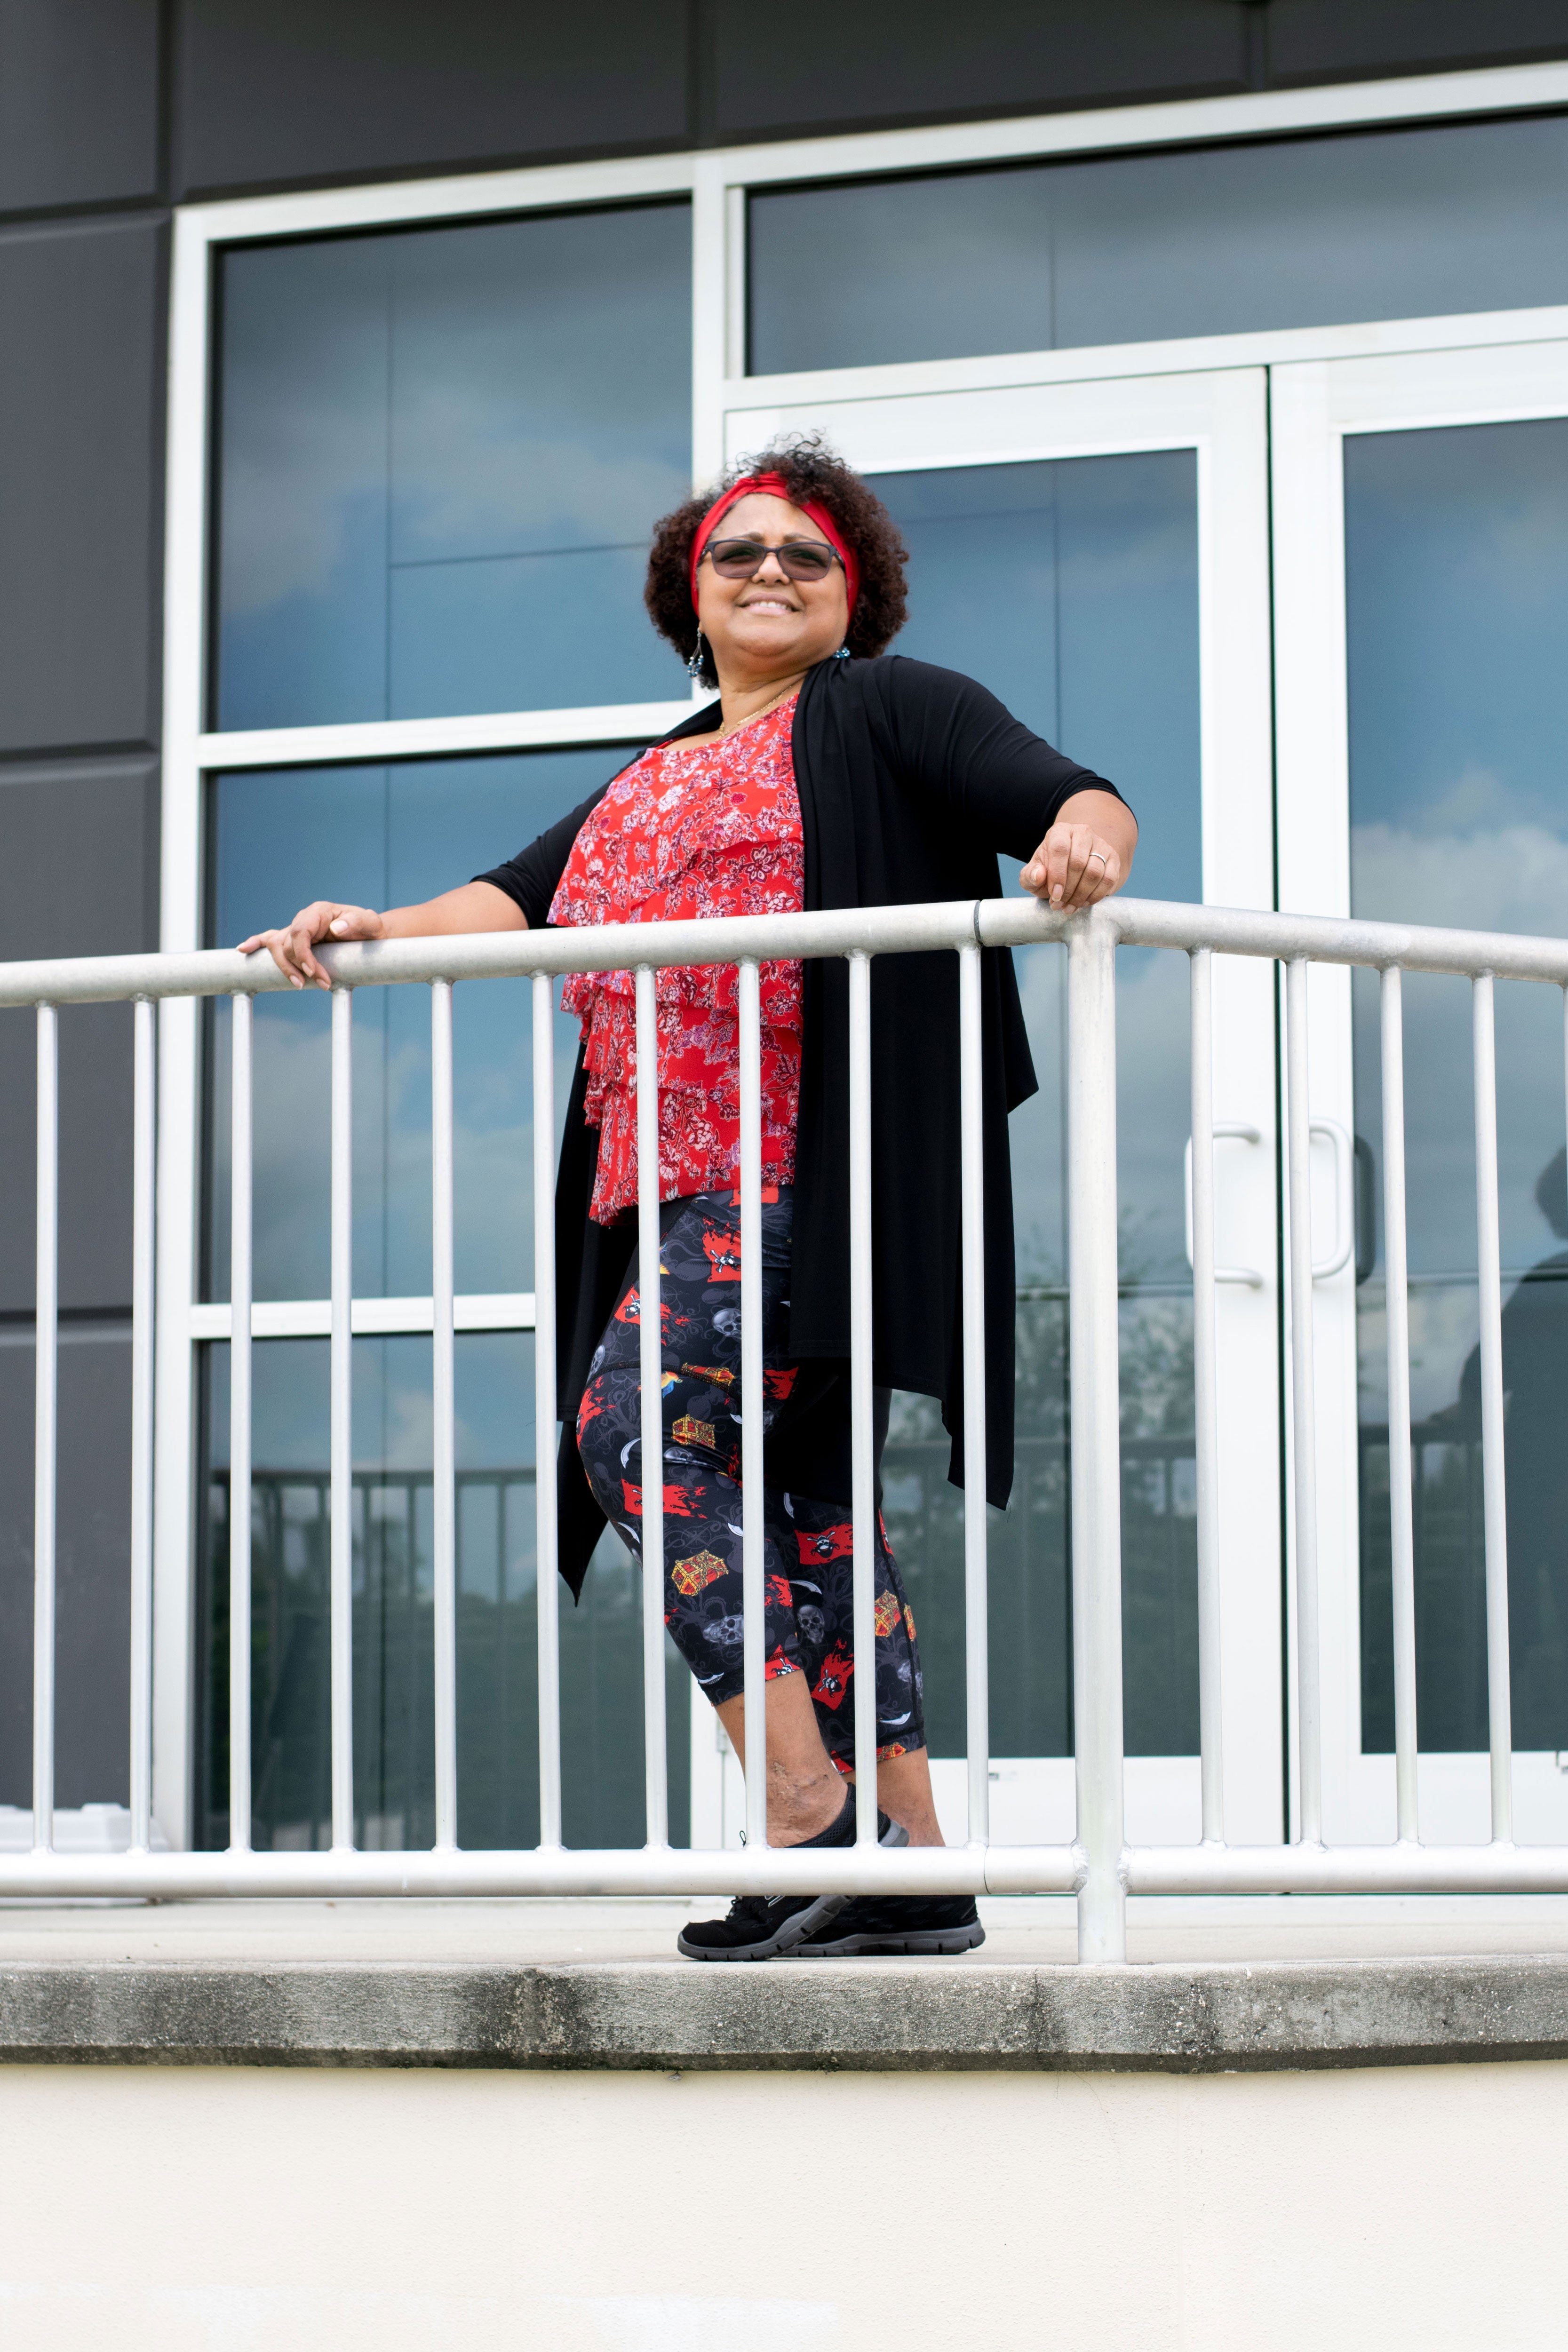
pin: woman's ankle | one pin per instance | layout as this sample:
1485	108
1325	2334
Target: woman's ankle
797	1814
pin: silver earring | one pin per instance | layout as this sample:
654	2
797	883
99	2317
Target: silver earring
694	666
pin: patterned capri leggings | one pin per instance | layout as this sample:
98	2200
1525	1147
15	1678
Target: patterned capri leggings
808	1545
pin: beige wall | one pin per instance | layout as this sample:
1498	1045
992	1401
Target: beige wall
196	2210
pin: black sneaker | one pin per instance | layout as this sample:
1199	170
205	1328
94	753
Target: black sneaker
898	1923
763	1927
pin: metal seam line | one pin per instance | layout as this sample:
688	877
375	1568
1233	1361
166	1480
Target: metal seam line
1499	1707
546	1520
752	1407
444	1493
1396	1319
971	1160
144	1242
1096	1456
341	1608
1303	1414
1205	1400
863	1467
45	1408
650	1354
239	1372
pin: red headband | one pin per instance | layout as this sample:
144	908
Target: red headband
773	486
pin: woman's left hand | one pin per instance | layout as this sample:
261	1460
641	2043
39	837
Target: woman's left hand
1074	865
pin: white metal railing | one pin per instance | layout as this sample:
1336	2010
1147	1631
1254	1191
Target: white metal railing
1099	1866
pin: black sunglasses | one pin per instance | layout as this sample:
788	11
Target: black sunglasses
799	559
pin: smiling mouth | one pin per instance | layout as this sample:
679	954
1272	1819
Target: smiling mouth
767	604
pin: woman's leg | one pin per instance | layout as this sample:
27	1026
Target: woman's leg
823	1586
703	1579
804	1794
904	1794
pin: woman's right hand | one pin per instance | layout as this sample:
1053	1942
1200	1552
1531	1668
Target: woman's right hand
324	918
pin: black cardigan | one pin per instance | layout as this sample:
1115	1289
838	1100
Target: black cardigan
912	779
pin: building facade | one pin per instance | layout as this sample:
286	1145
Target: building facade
1214	360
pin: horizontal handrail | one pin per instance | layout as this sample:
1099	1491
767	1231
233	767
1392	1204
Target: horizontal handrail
833	931
932	1870
1398	1868
1319	939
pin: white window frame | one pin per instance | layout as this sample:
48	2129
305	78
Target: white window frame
716	182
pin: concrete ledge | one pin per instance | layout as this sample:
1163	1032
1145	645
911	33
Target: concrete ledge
832	2015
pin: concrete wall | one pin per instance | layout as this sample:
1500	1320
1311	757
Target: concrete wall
238	2211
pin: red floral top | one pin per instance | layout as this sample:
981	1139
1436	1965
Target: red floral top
686	833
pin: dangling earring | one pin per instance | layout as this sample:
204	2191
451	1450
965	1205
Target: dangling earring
842	654
694	666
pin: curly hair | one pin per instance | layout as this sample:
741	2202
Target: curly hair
811	470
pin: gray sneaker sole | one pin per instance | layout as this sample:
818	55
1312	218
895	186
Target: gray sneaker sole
937	1939
794	1931
809	1922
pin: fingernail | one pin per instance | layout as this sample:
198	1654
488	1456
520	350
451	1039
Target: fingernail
295	982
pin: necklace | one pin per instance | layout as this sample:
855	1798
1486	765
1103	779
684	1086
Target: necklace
783	695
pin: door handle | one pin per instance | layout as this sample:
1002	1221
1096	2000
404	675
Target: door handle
1224	1130
1344	1198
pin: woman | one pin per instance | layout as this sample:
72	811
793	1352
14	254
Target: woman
825	775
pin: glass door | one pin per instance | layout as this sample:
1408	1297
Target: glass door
1096	554
1421	517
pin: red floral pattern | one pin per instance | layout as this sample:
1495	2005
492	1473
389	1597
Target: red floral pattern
689	832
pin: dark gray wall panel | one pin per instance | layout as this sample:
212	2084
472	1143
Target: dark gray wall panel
79	101
897	58
1322	40
81	411
77	876
274	90
92	1613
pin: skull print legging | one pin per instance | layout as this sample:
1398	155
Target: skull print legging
807	1543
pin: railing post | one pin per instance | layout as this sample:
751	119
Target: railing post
650	1359
46	1418
240	1175
1396	1316
1494	1515
341	1609
972	1161
143	1231
753	1458
862	1377
1205	1404
1096	1433
1303	1404
547	1525
443	1452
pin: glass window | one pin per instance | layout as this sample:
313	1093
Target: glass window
383	837
394	1670
441	452
1071	589
1134	249
1456	567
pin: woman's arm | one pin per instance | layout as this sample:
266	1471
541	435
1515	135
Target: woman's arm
1015	791
475	907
